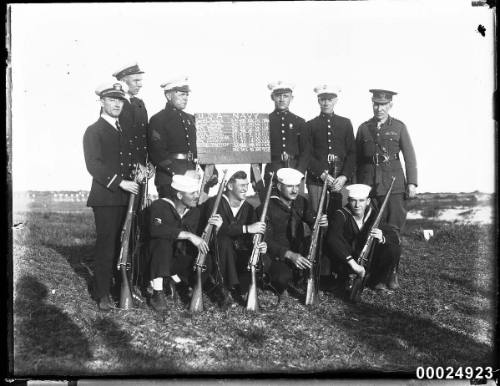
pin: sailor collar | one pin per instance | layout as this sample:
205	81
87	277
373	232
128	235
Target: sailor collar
175	209
234	209
365	218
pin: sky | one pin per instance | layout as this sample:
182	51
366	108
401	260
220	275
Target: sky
430	52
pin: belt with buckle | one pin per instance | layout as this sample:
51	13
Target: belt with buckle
332	157
284	156
187	156
378	159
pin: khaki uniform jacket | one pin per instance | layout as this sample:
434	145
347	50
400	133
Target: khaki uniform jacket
391	139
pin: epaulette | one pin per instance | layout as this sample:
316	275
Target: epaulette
397	121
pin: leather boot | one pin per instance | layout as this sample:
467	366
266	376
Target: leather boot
105	303
172	289
158	301
393	282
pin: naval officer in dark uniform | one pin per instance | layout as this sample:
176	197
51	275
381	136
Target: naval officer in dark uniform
172	135
110	164
286	132
379	142
331	148
134	116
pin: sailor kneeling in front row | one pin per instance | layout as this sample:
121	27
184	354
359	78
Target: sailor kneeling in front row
174	229
348	231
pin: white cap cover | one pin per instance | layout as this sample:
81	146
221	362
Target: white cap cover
358	191
185	183
289	176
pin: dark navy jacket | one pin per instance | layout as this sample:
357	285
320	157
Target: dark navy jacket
109	162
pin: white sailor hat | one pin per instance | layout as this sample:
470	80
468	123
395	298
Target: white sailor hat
289	176
327	89
112	89
280	87
358	191
129	69
177	84
186	183
381	95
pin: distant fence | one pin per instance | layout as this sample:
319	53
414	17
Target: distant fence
79	196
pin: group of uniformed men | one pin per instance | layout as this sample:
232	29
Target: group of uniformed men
323	148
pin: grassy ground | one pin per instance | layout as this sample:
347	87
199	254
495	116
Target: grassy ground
444	314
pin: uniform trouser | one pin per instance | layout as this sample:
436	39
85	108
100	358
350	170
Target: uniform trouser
232	264
385	258
108	223
281	273
314	192
395	212
169	258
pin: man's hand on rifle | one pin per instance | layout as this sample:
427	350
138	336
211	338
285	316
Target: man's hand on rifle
198	242
300	261
377	234
257	227
338	183
215	220
358	269
262	247
129	186
329	178
323	221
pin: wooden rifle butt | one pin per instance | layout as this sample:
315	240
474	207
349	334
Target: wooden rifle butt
126	301
312	298
197	298
356	289
252	299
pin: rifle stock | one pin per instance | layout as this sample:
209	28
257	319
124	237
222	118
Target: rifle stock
141	175
312	297
365	256
252	303
123	260
199	266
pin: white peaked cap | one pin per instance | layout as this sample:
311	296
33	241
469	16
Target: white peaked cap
280	85
358	191
185	183
180	83
112	88
326	89
289	176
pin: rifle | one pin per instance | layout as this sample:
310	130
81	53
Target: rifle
140	173
252	300
365	257
139	237
312	283
199	266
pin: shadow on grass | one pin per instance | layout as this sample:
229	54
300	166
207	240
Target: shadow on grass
130	360
46	339
405	339
80	258
470	283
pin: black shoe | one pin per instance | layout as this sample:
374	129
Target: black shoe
220	296
158	301
171	289
237	296
105	303
296	291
